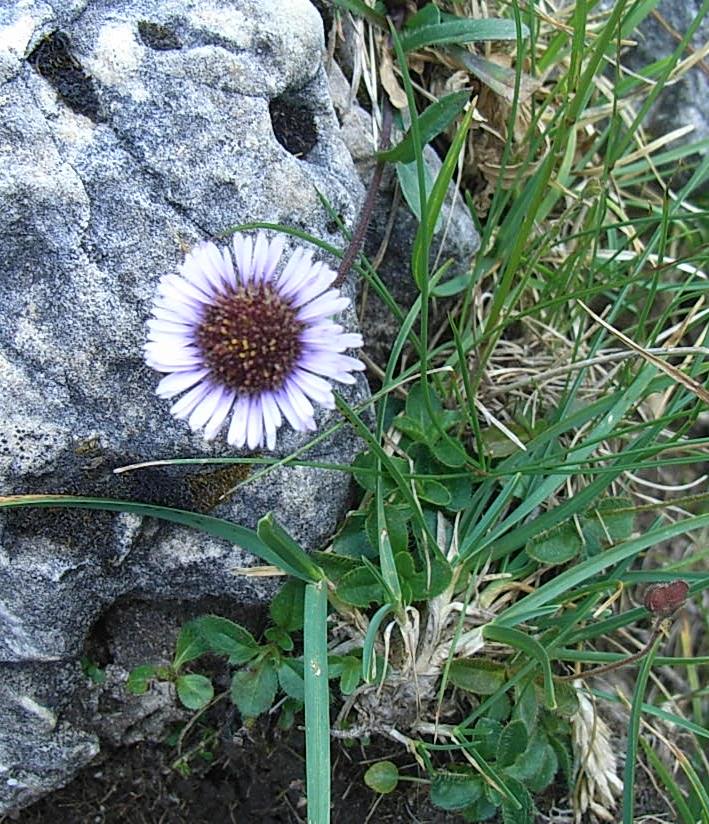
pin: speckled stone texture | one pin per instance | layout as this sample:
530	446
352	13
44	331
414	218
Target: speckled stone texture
128	131
685	101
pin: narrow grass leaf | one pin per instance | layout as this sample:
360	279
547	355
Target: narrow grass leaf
274	536
317	704
571	578
533	649
459	31
631	750
217	527
434	120
369	656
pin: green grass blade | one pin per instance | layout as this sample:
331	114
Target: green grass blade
633	730
460	31
390	575
431	122
359	7
667	781
274	536
571	578
217	527
317	704
532	648
368	653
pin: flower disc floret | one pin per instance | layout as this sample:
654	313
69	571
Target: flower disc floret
239	338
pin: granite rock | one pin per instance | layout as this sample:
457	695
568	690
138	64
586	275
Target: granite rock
128	131
683	102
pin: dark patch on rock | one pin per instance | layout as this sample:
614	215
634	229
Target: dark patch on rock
53	59
293	126
158	37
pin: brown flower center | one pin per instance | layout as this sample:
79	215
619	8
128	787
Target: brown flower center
250	338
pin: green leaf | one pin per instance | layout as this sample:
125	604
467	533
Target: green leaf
190	645
286	717
352	541
567	701
407	174
610	521
224	637
364	471
449	452
280	637
287	550
486	736
218	527
432	579
194	691
455	791
478	675
382	777
555	546
360	588
460	31
564	759
92	670
411	428
335	566
417	409
291	681
253	690
513	742
140	678
526	706
287	606
481	810
426	16
397	519
546	771
351	675
433	491
500	708
521	812
434	120
531	761
531	647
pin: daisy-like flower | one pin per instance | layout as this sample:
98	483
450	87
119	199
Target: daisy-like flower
247	341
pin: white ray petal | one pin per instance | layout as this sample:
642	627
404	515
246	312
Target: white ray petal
243	248
215	423
254	425
183	407
177	382
239	418
204	410
275	250
324	306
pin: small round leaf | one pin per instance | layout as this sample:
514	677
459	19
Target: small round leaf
382	777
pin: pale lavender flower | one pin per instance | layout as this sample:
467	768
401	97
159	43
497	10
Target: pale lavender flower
248	341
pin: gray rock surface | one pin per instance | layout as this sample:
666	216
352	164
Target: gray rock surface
128	131
683	102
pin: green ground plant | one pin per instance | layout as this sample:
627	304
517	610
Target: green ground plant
533	464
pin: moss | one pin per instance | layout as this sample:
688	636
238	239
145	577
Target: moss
207	488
